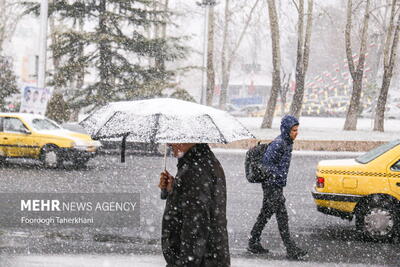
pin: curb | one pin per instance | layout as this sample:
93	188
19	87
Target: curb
310	145
299	145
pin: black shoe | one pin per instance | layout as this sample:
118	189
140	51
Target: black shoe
295	253
256	248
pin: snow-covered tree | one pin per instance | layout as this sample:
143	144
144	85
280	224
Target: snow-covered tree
8	82
114	50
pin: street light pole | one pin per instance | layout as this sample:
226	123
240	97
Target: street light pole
42	44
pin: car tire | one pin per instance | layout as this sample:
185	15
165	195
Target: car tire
377	221
81	162
51	157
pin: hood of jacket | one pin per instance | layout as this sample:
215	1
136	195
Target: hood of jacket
286	125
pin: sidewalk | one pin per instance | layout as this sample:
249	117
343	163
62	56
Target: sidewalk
320	128
137	261
315	134
323	134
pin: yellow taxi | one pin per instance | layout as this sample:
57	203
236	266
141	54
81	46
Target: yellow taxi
25	135
367	188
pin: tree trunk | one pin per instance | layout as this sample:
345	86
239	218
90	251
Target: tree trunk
352	113
389	62
210	57
9	18
227	59
303	51
159	61
356	73
56	60
283	92
104	57
381	104
2	23
80	77
379	49
376	65
224	70
276	62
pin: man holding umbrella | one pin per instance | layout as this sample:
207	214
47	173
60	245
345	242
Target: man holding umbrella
194	223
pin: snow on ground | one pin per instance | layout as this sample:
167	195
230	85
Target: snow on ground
295	152
137	261
321	128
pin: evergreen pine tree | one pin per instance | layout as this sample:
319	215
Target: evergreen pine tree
8	81
113	49
57	109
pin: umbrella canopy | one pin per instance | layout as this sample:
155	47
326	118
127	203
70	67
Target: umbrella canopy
164	120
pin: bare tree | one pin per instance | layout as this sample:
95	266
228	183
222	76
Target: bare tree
227	55
284	90
225	68
10	14
379	29
210	56
389	53
303	51
276	62
356	72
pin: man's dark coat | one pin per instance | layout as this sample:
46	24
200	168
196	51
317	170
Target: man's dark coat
194	223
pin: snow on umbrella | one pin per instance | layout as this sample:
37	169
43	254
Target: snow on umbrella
164	120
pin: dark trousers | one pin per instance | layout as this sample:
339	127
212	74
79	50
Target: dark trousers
273	203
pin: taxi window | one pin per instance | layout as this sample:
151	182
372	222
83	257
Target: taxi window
396	167
376	152
13	125
44	124
1	124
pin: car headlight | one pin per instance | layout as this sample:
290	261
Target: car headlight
86	145
80	145
96	143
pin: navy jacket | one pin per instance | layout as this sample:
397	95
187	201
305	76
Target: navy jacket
278	155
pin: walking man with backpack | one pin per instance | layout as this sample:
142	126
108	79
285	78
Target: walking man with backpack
275	165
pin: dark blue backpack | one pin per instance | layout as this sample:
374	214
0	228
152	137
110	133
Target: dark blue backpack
252	163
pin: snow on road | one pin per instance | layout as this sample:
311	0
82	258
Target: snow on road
137	261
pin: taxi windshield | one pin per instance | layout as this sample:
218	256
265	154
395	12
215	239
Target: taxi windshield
376	152
44	124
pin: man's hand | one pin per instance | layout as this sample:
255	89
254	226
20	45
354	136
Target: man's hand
166	181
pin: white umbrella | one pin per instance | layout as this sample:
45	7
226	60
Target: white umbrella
164	120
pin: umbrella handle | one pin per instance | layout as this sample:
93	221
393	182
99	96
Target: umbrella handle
123	148
165	157
164	192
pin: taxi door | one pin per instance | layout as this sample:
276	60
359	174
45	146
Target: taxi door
394	176
18	138
3	140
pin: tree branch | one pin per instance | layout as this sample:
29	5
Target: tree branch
349	53
234	50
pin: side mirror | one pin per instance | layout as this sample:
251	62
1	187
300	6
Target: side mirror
25	131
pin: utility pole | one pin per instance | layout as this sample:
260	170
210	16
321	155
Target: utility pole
42	44
206	4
